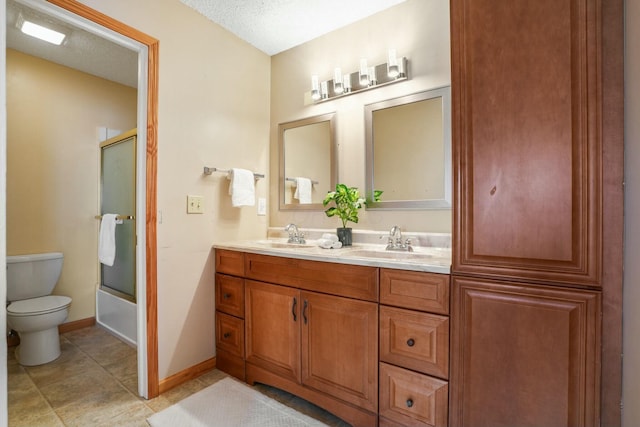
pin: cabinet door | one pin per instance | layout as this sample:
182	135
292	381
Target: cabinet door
527	139
524	355
340	348
272	326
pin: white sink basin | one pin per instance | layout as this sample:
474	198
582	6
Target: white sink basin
283	245
393	255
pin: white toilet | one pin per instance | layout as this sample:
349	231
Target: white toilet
32	311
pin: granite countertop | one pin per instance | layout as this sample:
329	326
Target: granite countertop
434	259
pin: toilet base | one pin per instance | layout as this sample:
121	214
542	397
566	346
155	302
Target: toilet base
39	347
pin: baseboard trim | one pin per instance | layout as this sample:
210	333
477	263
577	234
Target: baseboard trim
185	375
76	324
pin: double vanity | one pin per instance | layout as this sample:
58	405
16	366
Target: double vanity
361	331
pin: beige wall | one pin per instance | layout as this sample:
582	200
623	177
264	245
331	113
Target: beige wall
417	29
53	166
213	111
631	318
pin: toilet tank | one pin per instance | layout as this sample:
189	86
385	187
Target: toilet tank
32	275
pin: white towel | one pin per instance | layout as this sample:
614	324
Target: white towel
107	239
303	190
242	187
329	244
329	236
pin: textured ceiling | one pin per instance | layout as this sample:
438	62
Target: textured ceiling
270	25
82	50
277	25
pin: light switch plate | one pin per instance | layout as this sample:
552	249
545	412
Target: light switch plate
195	204
262	206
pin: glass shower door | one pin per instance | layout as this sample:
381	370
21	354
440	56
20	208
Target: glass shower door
118	196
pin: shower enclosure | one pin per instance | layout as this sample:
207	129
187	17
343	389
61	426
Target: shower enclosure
116	297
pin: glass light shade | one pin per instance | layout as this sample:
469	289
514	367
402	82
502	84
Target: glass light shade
364	72
315	88
42	33
346	83
324	90
392	64
337	81
372	76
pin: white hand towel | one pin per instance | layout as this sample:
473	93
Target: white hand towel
107	239
324	243
303	190
329	236
242	187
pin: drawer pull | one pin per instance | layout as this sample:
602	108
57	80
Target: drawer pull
410	342
226	334
226	296
293	309
409	403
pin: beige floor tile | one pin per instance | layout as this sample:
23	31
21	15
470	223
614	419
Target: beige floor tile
110	353
26	404
175	395
212	377
76	387
49	419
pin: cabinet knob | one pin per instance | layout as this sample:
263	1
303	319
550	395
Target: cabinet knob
410	342
226	296
226	334
409	403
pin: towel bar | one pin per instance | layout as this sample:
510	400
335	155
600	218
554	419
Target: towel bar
209	171
293	179
119	217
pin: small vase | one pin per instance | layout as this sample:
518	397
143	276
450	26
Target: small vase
344	236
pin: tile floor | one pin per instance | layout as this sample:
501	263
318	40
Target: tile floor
94	383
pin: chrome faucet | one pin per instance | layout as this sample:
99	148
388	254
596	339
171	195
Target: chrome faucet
295	236
395	241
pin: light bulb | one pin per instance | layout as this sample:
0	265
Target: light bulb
364	73
315	89
337	81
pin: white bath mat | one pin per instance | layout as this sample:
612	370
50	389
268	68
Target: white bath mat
229	403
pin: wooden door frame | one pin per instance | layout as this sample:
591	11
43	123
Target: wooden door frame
152	45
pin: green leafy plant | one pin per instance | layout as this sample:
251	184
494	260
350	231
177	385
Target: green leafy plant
347	203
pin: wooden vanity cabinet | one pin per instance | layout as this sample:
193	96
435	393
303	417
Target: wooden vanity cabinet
311	328
414	348
537	212
229	293
524	354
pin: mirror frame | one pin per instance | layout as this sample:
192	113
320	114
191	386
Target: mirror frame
282	127
445	203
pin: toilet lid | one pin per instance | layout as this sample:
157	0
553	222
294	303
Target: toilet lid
40	305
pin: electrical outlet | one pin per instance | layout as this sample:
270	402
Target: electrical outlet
262	206
195	204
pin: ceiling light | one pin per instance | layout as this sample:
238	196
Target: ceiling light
43	33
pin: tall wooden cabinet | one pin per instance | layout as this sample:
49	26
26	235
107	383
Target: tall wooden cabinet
536	90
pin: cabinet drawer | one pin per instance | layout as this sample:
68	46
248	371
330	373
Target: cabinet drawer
409	398
354	281
230	295
416	290
415	340
230	334
230	262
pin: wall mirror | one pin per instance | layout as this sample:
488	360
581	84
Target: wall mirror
308	163
408	151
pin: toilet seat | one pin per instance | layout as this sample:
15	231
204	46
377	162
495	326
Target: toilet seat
37	306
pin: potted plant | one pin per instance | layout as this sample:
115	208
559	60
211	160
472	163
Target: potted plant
347	202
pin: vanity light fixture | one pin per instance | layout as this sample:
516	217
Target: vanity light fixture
365	78
43	33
